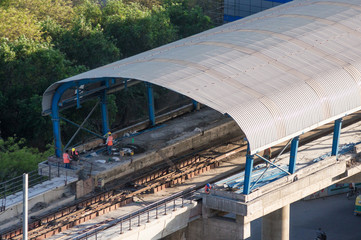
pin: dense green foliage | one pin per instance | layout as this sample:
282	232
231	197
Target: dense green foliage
44	41
17	158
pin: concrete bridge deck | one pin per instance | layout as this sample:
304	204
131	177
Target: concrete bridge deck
271	197
182	139
193	130
315	171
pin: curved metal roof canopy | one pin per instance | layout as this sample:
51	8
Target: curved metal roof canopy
277	73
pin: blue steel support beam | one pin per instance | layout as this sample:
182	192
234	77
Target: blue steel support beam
196	105
83	128
77	97
56	131
55	110
150	104
336	136
55	116
104	110
248	172
293	155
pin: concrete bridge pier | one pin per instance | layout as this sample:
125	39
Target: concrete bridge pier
216	226
276	225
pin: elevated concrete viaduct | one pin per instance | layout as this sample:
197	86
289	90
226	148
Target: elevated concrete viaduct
271	202
279	74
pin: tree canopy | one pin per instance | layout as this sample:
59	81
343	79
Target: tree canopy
44	41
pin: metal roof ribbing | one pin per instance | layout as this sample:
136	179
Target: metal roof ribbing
277	73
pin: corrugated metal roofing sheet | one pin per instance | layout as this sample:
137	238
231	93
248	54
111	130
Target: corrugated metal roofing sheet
277	73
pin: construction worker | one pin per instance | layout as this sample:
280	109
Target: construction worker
66	159
207	188
74	155
109	143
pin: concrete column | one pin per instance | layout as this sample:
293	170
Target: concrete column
276	225
243	227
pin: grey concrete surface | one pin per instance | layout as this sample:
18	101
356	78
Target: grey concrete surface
333	214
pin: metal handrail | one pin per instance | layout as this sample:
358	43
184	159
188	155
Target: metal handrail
189	193
14	185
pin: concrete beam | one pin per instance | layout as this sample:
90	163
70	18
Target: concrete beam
224	204
309	180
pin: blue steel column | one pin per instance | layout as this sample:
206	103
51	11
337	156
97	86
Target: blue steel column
195	105
293	155
150	103
56	130
55	116
248	172
104	110
336	136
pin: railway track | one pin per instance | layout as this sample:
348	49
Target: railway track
155	179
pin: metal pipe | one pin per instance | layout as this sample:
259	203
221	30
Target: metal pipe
264	159
83	128
81	125
274	160
25	206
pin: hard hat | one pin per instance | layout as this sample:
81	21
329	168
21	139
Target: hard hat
73	149
109	133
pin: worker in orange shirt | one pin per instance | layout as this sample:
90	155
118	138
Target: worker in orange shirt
109	143
66	159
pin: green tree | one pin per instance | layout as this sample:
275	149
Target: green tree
84	44
90	10
27	68
136	28
60	11
18	22
16	158
188	20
